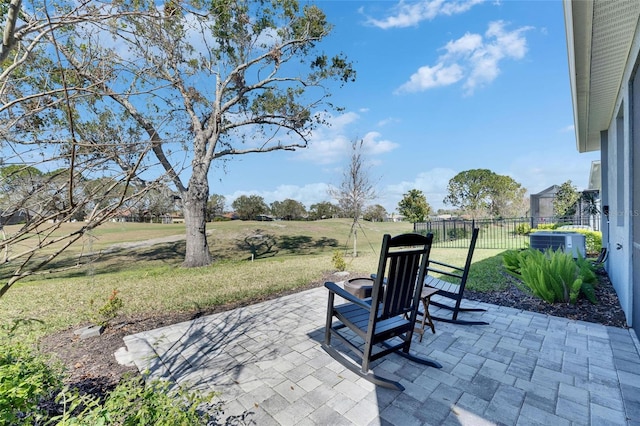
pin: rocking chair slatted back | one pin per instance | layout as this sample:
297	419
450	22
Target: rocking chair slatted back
402	272
388	318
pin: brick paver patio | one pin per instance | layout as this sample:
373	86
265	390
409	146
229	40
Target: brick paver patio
522	369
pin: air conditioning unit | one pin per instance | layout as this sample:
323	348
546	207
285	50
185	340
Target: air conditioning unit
569	242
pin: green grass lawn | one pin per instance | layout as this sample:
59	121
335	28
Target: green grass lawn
150	278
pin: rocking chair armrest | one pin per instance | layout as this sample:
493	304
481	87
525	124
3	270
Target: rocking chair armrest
335	288
373	277
445	265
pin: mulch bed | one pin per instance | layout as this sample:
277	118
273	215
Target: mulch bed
607	311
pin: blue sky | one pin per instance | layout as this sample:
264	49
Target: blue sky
442	87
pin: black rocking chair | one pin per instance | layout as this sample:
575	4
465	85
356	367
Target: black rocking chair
452	290
383	323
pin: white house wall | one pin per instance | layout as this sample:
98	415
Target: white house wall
616	161
618	263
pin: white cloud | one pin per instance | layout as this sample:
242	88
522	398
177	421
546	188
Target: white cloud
408	14
330	145
473	58
465	44
373	146
429	77
388	120
569	128
432	183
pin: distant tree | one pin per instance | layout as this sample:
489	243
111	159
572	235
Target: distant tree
158	202
355	190
469	190
480	192
323	210
249	207
451	212
414	206
275	209
518	207
288	209
17	183
375	213
590	203
215	206
566	200
505	196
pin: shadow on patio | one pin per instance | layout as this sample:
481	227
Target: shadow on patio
523	368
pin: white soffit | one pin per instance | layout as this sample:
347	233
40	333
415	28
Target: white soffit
599	37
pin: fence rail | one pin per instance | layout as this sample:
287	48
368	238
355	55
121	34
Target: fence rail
494	233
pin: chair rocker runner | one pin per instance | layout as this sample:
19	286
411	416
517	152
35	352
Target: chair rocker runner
384	323
453	291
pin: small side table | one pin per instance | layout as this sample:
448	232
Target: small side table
359	287
425	297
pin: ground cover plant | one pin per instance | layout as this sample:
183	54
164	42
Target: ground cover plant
26	381
552	275
32	393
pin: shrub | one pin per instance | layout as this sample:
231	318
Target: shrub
593	240
25	382
134	402
554	276
457	233
435	232
109	310
28	384
338	261
547	226
523	229
511	262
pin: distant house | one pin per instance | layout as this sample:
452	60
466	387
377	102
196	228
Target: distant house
125	215
13	217
603	44
176	218
541	208
394	217
231	216
541	205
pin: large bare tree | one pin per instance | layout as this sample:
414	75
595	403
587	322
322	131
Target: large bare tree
144	94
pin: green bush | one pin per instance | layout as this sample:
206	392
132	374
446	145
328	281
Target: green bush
457	233
338	261
547	226
435	232
25	382
593	240
523	229
511	262
554	276
134	402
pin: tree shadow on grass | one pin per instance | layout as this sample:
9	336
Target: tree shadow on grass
117	259
305	244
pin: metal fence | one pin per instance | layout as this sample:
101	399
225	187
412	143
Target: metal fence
494	233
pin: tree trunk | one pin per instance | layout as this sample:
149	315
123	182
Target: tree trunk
194	202
355	240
